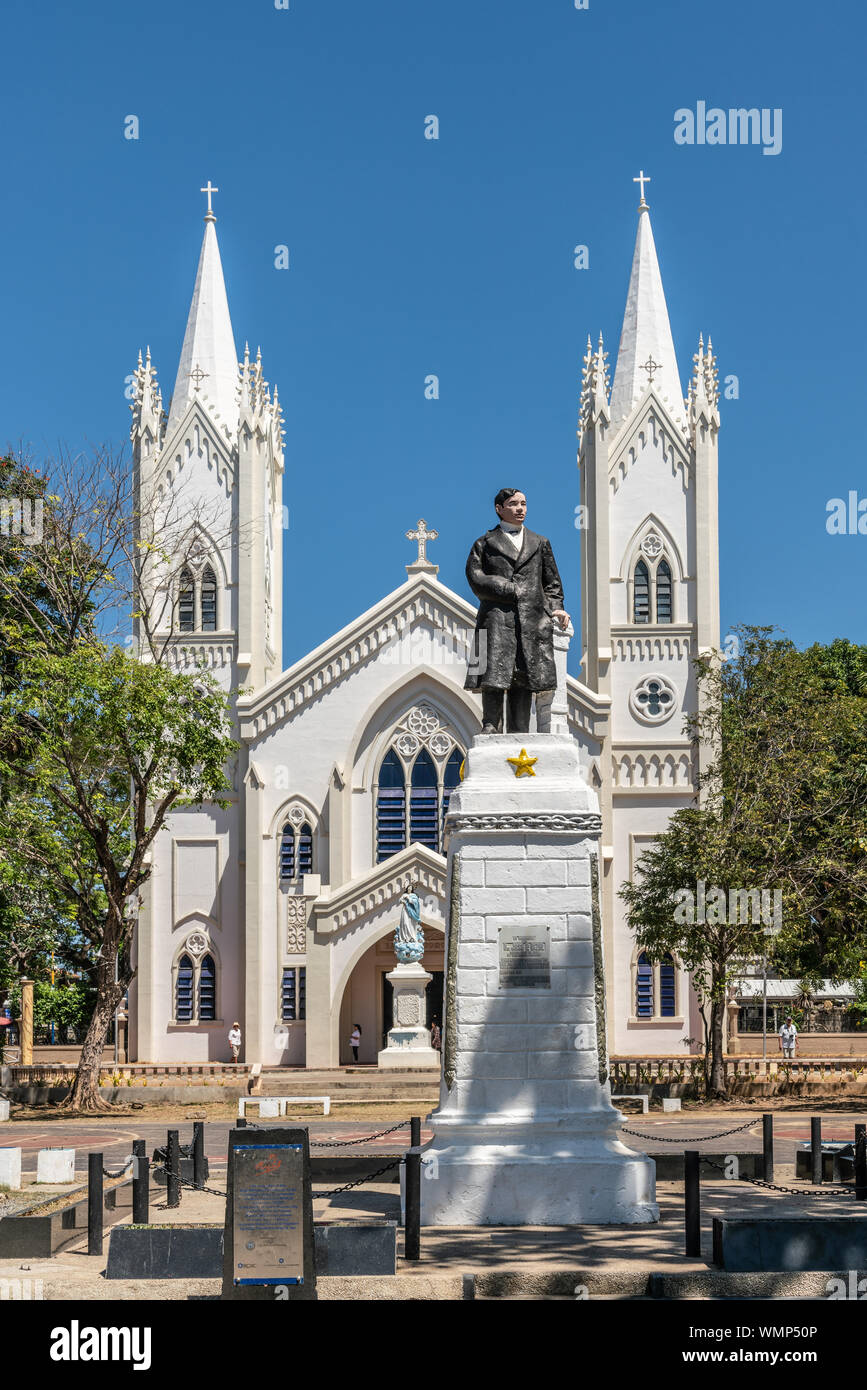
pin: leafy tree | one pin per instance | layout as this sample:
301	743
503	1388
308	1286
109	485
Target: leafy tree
117	745
783	808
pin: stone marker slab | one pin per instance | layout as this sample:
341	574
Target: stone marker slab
780	1243
268	1242
55	1165
165	1252
4	1109
356	1247
196	1252
670	1104
10	1168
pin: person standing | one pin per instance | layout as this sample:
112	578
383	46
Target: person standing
788	1038
436	1037
355	1040
235	1040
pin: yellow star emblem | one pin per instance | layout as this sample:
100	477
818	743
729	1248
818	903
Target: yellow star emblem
523	765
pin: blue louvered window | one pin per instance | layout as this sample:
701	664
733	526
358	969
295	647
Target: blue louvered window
663	592
423	802
305	850
184	991
293	994
186	602
287	852
209	601
644	988
390	807
451	778
641	594
666	987
207	990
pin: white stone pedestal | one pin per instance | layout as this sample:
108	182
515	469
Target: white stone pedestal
409	1040
526	1133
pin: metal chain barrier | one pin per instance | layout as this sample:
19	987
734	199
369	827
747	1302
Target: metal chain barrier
368	1177
345	1143
824	1191
130	1163
688	1139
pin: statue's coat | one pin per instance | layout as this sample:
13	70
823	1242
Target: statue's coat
518	595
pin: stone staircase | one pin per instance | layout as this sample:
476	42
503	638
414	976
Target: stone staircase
364	1085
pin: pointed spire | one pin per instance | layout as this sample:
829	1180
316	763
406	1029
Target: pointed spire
646	352
209	366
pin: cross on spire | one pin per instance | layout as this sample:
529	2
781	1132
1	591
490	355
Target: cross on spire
650	367
642	179
209	189
422	535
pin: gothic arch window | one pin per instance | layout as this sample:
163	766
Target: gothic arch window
390	807
186	602
644	987
197	604
641	594
655	987
207	990
209	600
424	802
417	776
651	582
184	991
194	987
663	592
296	850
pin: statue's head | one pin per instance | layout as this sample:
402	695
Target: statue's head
511	506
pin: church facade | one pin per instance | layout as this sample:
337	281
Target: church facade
279	910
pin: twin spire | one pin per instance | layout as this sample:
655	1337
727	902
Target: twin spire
646	352
209	363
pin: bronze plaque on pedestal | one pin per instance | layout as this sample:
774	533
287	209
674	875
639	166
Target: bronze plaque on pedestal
525	957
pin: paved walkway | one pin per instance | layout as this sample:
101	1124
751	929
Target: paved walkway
605	1261
114	1136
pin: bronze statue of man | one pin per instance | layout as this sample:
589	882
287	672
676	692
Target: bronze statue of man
512	572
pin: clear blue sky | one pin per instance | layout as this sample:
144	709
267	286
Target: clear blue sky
452	257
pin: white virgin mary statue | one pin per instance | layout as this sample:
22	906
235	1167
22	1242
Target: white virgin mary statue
409	936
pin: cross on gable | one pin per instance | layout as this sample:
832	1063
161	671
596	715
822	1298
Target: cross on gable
422	535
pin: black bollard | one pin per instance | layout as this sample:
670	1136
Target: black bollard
94	1204
241	1123
768	1148
173	1169
412	1220
141	1177
861	1162
198	1155
816	1149
692	1202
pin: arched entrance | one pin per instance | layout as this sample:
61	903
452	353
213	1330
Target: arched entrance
367	996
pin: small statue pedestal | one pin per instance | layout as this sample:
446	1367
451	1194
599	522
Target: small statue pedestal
409	1040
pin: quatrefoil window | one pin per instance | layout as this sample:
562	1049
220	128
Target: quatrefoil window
654	699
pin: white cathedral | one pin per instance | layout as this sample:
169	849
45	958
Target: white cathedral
279	911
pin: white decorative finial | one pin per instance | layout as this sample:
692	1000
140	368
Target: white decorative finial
642	179
209	189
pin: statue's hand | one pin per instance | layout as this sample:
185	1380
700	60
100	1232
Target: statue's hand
562	617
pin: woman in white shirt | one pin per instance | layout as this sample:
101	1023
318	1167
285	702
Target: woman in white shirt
355	1040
